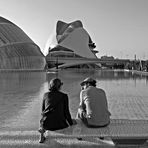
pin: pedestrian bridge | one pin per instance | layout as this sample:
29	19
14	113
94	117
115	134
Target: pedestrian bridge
72	61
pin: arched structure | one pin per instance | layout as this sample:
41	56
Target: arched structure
17	50
73	42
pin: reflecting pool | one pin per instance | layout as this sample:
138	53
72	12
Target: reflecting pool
21	95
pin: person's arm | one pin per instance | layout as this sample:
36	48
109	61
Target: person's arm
81	108
67	112
81	104
43	104
87	99
88	109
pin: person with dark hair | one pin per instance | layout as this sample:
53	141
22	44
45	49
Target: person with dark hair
93	107
55	109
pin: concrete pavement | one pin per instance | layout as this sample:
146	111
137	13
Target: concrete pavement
29	139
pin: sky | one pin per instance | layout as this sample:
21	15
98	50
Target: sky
119	28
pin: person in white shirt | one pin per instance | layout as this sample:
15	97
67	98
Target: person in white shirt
93	107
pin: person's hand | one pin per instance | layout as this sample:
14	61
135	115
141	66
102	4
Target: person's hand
74	121
81	113
88	116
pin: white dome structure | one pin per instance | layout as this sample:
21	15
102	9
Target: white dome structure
17	50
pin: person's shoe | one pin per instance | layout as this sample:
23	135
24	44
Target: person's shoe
102	138
42	139
79	138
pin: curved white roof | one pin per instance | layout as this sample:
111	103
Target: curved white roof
78	41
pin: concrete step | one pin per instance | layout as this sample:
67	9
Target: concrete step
29	139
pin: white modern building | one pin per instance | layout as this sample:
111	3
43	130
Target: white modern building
73	41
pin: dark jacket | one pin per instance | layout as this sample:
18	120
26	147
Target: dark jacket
55	111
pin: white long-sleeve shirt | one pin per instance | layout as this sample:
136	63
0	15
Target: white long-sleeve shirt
96	105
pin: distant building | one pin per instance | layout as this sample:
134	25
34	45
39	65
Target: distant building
107	58
17	50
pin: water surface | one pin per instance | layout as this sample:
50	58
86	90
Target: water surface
21	95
